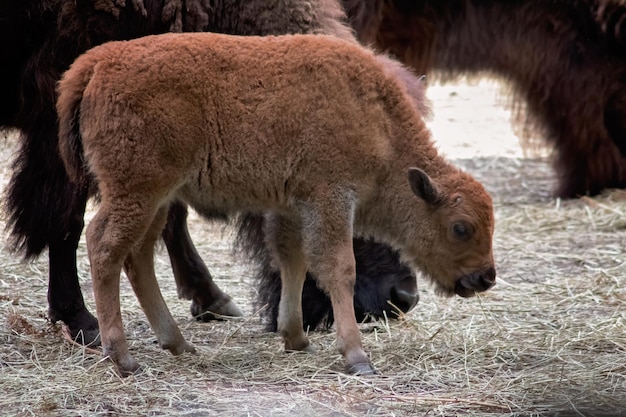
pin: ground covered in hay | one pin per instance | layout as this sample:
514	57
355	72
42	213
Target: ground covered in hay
549	339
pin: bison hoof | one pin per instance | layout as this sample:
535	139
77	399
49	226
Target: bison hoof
83	328
303	346
181	348
361	369
307	349
128	366
310	349
216	311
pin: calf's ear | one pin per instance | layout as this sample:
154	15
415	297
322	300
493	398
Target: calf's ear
423	187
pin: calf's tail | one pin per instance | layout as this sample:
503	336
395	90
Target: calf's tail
70	91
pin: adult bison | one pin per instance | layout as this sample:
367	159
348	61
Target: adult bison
564	61
38	41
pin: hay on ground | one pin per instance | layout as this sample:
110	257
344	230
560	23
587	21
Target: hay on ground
549	339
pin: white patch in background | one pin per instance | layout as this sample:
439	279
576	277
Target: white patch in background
470	121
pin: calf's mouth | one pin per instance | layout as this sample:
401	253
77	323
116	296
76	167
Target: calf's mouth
479	281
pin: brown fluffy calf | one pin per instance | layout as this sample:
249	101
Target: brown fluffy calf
311	130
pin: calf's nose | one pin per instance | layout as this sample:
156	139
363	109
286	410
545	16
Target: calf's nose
490	276
485	280
479	281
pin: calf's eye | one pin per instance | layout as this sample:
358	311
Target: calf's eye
461	231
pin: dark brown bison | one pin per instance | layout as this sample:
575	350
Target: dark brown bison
560	58
38	41
312	131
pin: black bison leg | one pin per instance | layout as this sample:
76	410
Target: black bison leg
193	279
65	300
46	211
589	171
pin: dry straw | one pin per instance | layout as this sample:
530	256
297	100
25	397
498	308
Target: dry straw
550	339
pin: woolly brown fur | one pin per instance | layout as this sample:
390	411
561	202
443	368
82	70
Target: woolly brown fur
310	130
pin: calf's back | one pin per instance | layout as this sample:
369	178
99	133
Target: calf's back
258	115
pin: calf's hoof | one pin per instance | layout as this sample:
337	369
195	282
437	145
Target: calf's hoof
179	348
310	349
299	343
126	366
307	349
361	369
218	310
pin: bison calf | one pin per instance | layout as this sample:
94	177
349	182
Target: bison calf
309	130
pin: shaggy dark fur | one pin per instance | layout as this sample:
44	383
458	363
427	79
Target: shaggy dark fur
564	60
38	41
611	16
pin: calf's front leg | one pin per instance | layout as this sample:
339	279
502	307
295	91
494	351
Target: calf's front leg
327	242
336	276
293	274
286	246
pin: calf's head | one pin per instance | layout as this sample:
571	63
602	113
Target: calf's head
456	246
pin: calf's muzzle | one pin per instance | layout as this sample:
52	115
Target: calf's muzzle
479	281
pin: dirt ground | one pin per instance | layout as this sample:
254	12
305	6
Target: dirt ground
549	339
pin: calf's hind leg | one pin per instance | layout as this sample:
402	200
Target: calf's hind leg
139	267
108	244
117	235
